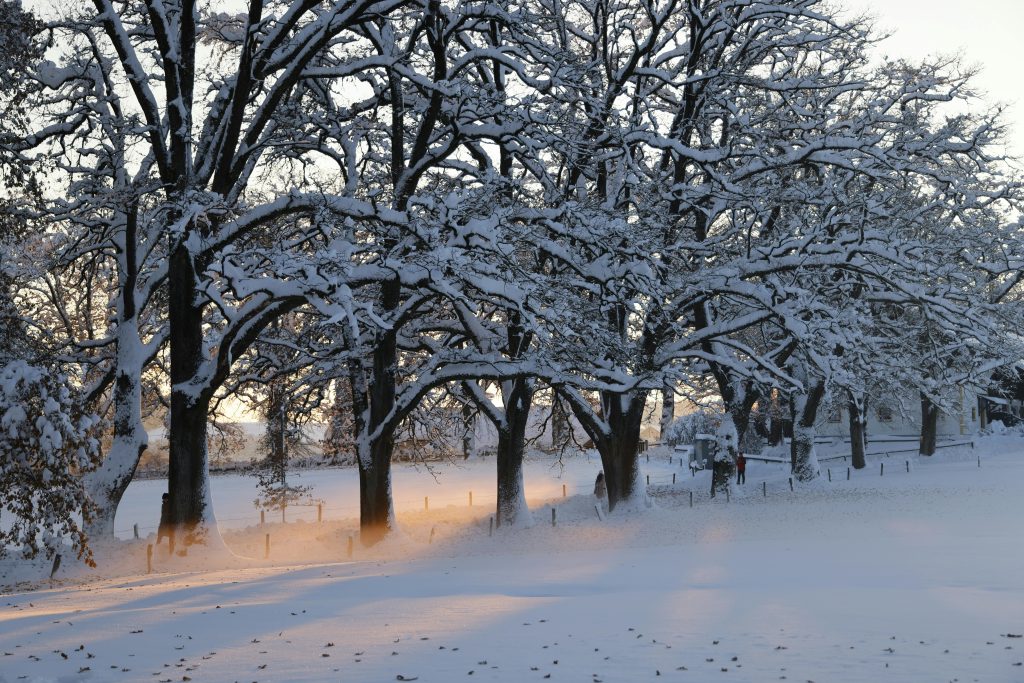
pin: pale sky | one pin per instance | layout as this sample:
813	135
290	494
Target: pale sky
987	33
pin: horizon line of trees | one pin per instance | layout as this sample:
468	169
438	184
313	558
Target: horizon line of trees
403	211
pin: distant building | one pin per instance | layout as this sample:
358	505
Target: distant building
901	416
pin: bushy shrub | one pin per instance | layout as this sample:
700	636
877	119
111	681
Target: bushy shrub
684	429
46	444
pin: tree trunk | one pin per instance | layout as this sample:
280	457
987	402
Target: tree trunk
619	447
559	422
775	430
188	475
668	409
512	509
805	414
376	511
468	430
107	483
740	406
929	425
376	507
723	466
858	429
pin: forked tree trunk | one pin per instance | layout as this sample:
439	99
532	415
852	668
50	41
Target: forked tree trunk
929	425
804	459
858	429
619	448
511	507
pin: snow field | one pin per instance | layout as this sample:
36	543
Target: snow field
906	577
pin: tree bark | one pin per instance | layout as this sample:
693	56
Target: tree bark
376	508
468	430
376	511
858	429
616	435
618	449
776	422
668	409
188	473
723	467
107	483
511	508
739	403
559	422
804	459
929	425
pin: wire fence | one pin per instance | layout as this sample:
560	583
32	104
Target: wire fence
674	472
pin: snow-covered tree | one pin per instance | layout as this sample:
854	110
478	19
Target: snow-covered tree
46	444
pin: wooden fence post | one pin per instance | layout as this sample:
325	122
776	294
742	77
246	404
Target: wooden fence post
764	488
552	516
319	513
149	558
266	548
490	532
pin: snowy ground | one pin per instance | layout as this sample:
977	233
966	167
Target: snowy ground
903	577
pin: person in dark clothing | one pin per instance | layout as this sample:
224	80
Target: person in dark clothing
741	469
166	528
600	490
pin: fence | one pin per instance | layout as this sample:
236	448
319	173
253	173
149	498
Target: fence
319	512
